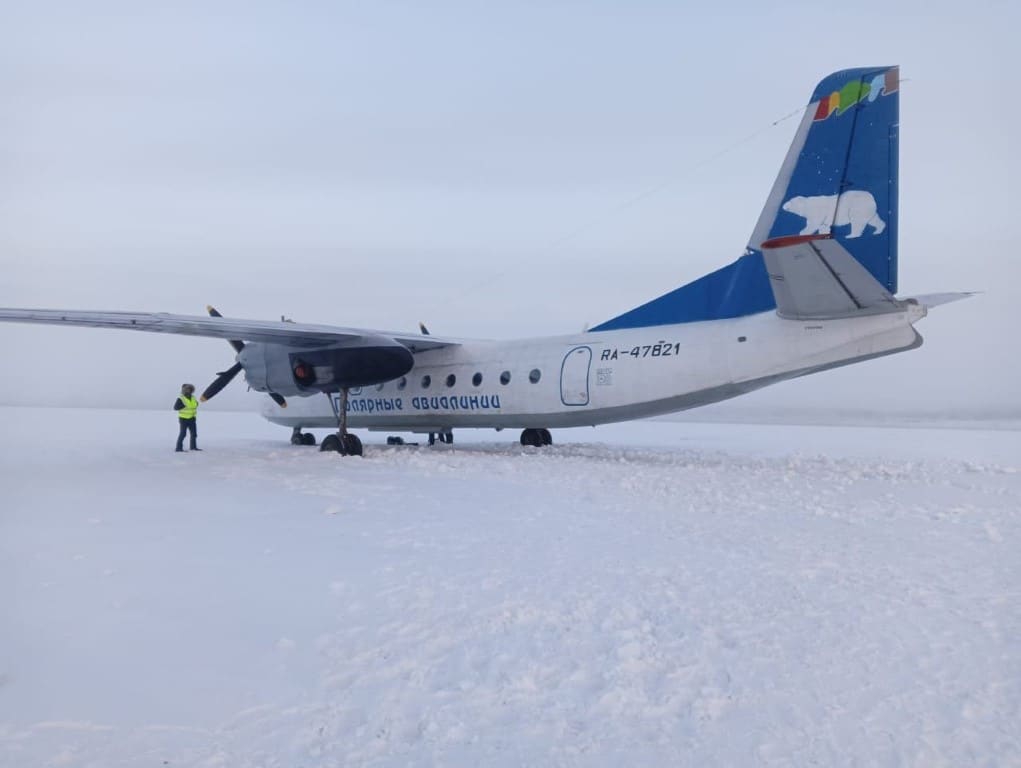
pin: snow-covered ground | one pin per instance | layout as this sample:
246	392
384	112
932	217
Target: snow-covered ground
645	594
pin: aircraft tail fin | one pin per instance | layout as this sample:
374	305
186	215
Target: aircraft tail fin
828	231
837	190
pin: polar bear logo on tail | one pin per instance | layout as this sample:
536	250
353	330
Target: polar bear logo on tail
855	207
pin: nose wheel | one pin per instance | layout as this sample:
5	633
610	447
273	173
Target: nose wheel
343	442
537	438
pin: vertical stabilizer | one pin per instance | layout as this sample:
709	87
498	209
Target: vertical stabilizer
840	174
838	183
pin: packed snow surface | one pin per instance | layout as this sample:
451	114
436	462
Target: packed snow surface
646	594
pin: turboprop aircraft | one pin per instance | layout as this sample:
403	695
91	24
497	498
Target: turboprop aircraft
814	289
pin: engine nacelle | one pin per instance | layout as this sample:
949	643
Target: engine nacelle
359	362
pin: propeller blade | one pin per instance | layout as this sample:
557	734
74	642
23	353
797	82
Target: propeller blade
221	381
236	343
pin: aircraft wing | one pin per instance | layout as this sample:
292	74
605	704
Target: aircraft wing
265	331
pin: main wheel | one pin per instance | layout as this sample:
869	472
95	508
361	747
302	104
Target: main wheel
351	445
307	438
297	438
330	443
545	437
531	437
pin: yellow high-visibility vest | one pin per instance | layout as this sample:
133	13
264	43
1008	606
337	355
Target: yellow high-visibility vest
191	405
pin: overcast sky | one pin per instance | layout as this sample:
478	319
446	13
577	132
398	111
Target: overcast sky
472	165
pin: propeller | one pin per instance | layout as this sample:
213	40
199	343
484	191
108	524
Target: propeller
223	378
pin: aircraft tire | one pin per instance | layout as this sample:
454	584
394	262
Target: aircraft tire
330	443
351	445
531	437
307	438
545	436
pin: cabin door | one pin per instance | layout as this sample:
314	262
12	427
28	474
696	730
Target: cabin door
574	376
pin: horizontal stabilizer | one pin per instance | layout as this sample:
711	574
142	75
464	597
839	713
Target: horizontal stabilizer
935	299
814	277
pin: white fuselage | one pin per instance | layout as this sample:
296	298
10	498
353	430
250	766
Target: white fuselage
600	377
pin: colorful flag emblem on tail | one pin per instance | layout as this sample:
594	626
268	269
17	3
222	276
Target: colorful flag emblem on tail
856	91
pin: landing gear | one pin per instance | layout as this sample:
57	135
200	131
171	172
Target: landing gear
444	437
343	442
302	438
395	440
537	438
345	445
351	445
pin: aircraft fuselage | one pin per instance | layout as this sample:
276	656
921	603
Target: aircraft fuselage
595	378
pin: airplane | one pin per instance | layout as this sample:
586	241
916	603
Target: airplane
815	289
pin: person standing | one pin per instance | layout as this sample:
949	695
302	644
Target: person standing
187	407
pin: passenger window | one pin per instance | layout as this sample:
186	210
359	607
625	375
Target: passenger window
477	379
402	383
505	378
535	375
426	381
451	380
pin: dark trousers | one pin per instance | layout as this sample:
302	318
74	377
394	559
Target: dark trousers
187	425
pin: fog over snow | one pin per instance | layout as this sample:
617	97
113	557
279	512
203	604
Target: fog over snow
494	171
